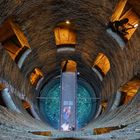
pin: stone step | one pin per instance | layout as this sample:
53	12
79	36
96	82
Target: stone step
20	118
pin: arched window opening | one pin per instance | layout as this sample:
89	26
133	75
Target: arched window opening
36	76
104	106
68	66
14	41
65	35
124	22
98	131
25	104
132	24
44	133
101	65
118	10
27	107
129	90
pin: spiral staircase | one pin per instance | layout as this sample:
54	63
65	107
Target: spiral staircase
62	58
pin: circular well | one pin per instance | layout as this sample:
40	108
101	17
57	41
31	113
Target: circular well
49	103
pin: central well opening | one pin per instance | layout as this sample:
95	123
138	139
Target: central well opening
49	103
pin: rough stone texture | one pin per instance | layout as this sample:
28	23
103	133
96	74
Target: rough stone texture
37	19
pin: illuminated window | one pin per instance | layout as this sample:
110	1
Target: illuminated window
68	66
104	106
25	104
13	39
99	131
129	90
35	76
65	34
27	107
45	133
125	28
101	65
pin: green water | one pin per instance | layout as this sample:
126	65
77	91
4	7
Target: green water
49	103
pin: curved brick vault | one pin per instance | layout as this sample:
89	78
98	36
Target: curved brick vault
37	19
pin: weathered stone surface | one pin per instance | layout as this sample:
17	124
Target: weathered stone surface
37	20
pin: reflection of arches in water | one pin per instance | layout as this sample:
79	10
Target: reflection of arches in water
66	113
121	26
68	66
125	15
